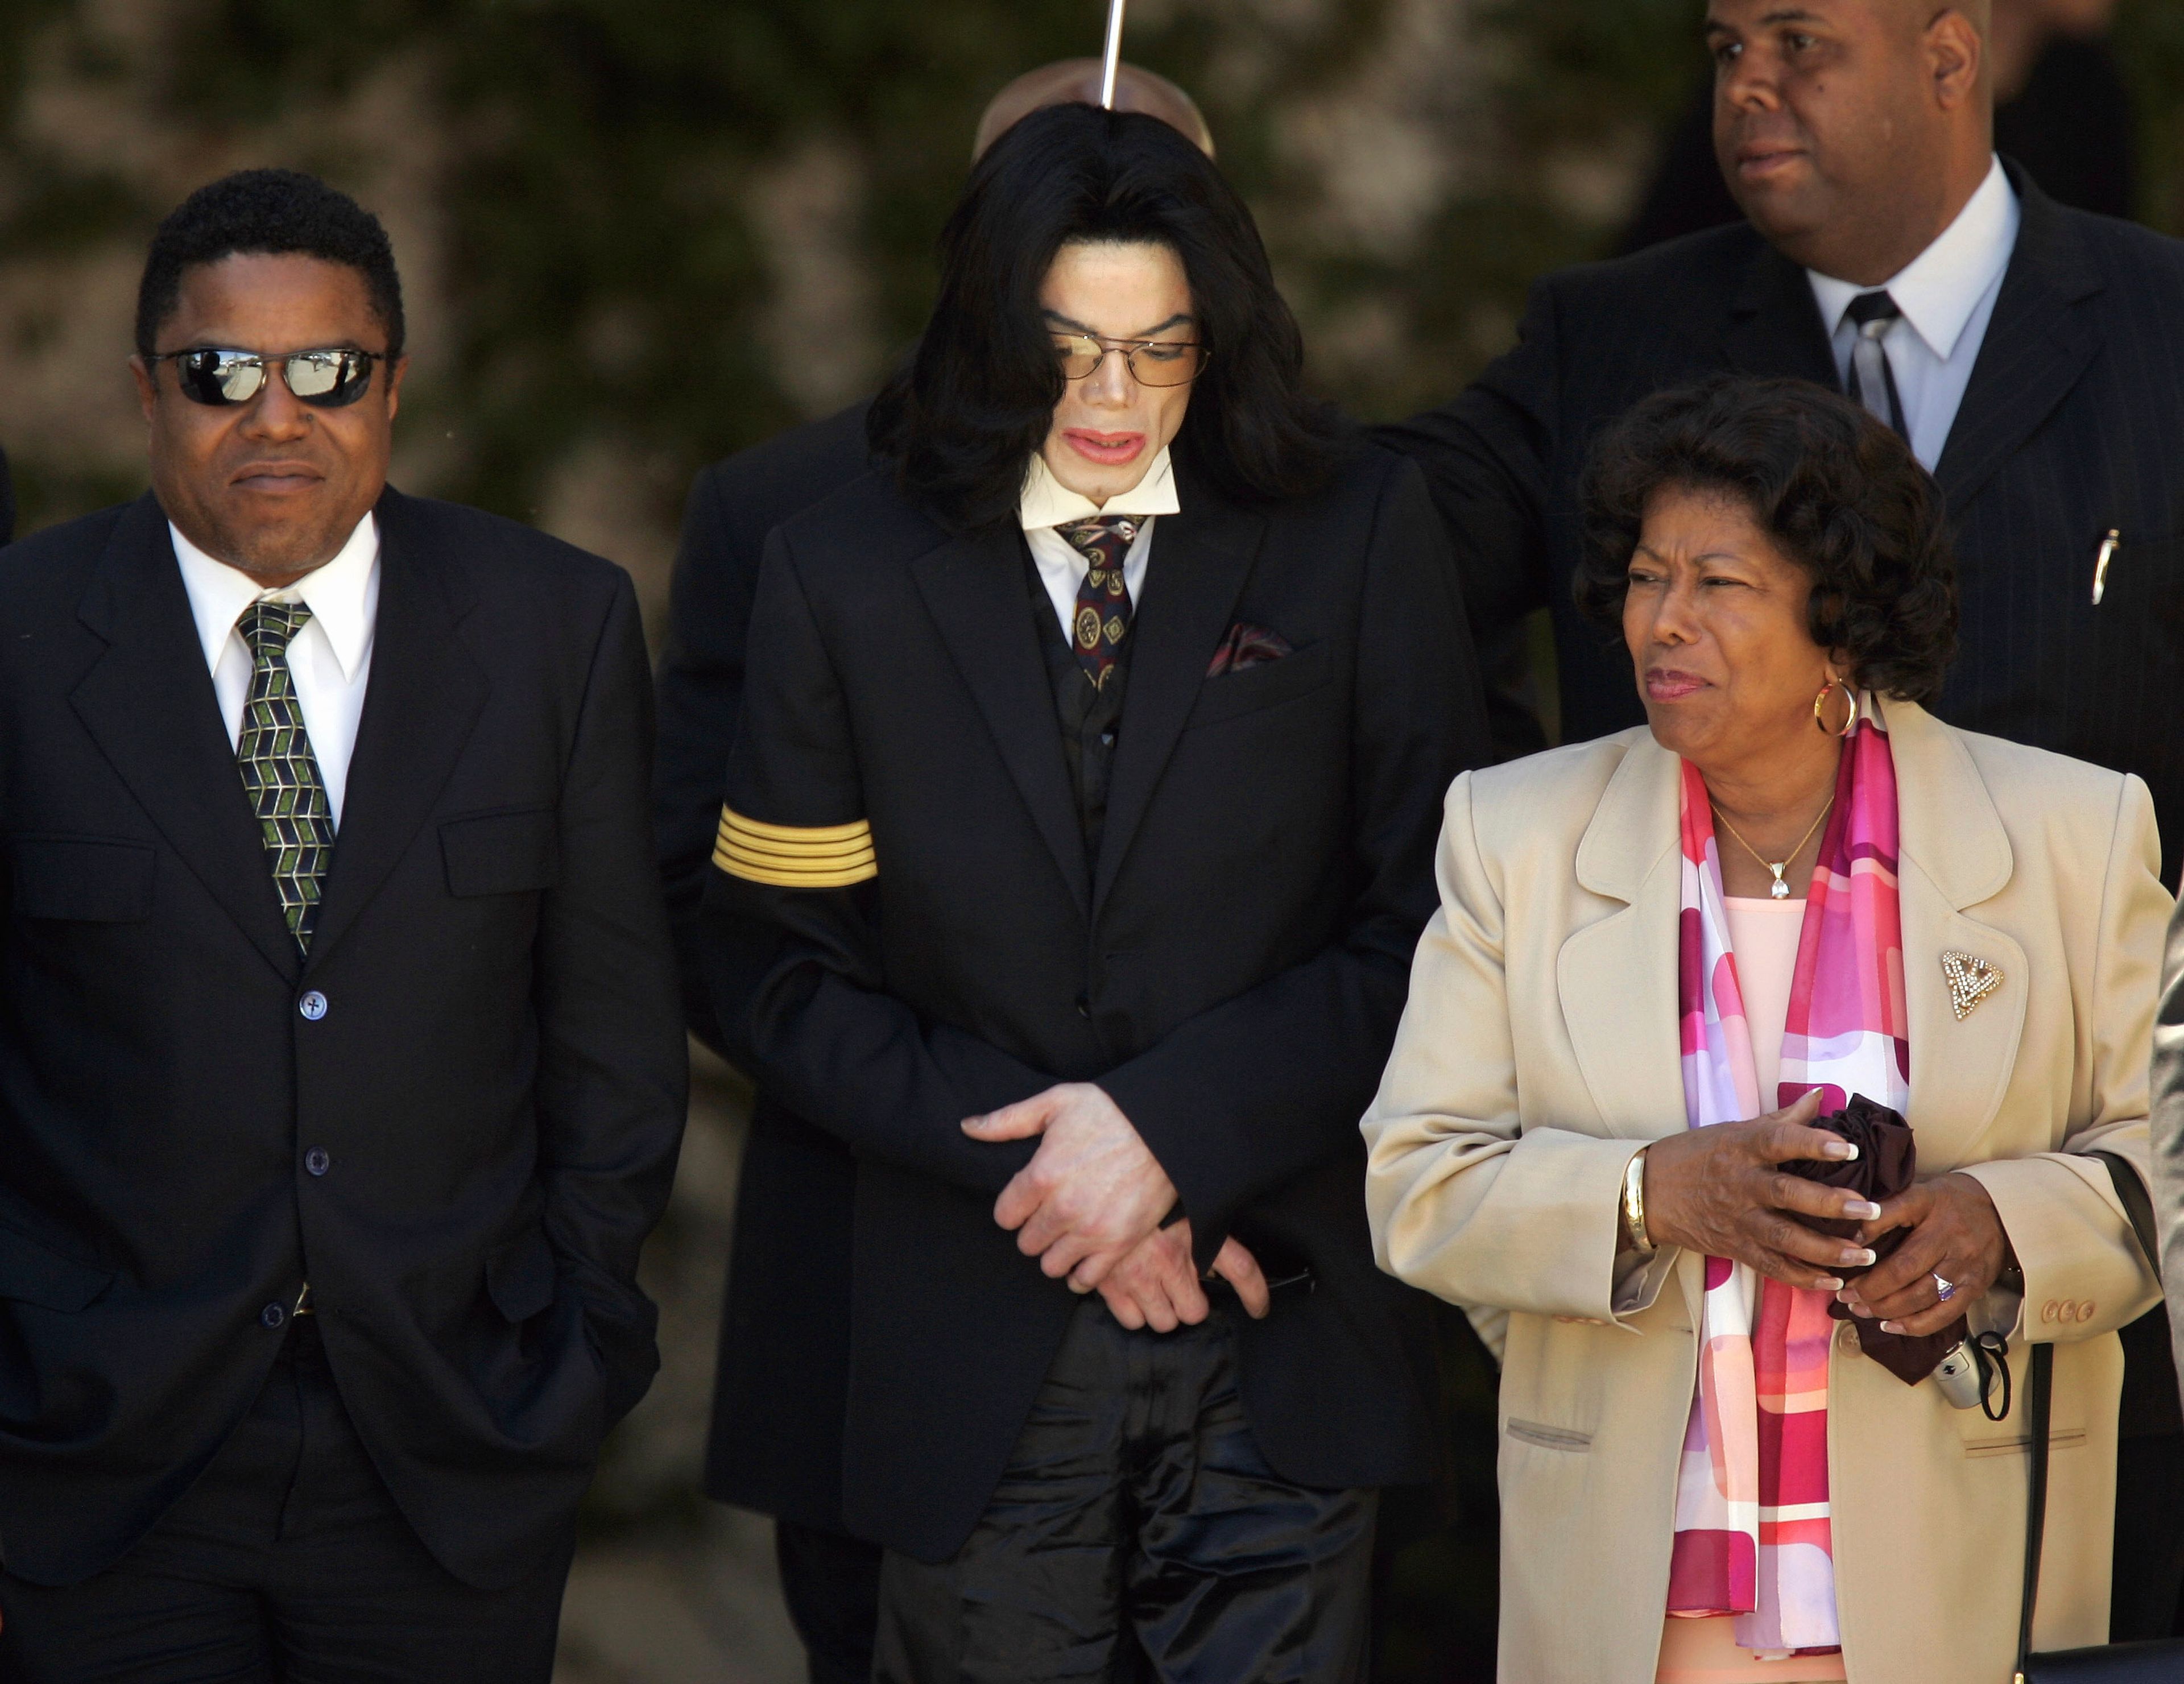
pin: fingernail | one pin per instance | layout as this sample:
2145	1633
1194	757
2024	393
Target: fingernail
1855	1257
1830	1283
1892	1327
1844	1150
1864	1209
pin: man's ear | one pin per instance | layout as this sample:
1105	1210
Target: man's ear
1956	58
147	391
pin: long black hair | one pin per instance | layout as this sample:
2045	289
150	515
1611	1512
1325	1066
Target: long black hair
964	416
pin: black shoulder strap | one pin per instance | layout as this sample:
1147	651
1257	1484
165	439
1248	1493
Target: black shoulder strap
2131	1192
2137	1204
2038	1396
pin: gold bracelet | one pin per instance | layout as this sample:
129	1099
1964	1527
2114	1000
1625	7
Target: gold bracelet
1634	1203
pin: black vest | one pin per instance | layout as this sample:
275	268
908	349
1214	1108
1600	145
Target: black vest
1091	720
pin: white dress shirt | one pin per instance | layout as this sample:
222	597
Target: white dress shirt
1047	504
1947	294
329	660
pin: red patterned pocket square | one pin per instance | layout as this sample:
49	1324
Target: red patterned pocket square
1247	645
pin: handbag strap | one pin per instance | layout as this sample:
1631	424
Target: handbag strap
2037	1398
2130	1192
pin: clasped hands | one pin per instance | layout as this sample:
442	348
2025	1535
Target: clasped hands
1722	1191
1090	1205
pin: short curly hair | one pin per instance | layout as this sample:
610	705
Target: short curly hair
270	212
1841	494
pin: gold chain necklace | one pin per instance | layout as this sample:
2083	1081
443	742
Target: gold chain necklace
1780	891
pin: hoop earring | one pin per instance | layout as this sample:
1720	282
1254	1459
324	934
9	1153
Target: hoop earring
1820	702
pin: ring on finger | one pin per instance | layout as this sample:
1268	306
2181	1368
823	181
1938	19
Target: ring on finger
1945	1289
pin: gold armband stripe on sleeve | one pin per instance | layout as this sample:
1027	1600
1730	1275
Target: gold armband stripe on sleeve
789	856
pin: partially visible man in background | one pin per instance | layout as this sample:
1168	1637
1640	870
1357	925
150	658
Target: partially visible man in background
2029	354
2062	111
784	1356
341	1077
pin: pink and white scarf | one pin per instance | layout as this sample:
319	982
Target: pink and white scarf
1752	1532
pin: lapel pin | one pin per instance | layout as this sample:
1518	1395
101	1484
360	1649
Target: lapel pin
1970	981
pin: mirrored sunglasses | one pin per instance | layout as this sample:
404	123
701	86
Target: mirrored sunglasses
327	380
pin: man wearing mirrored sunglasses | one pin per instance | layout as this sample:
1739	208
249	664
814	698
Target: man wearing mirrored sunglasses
340	1076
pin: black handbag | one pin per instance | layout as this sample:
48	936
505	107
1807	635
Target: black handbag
2162	1660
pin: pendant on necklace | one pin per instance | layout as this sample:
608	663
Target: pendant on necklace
1780	891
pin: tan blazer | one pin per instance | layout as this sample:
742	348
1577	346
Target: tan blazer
1539	1052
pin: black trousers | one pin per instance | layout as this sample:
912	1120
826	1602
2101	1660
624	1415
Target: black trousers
286	1563
1138	1534
2147	1599
831	1582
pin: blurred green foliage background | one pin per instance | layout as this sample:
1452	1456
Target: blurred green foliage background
586	172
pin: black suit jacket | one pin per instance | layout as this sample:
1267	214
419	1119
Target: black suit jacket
775	1444
1230	969
497	1073
2068	430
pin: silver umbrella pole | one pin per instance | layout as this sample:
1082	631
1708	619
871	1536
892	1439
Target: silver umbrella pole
1114	54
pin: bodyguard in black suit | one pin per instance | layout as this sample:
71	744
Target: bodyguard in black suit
1126	850
2064	433
1856	137
775	1445
340	1069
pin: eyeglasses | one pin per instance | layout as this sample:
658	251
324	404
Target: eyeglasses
1152	362
330	379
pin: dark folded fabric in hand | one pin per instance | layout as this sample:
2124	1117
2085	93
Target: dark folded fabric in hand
1247	645
1886	1162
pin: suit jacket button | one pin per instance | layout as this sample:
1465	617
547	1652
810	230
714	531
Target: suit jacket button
272	1315
2050	1310
317	1162
1850	1343
1083	1006
313	1005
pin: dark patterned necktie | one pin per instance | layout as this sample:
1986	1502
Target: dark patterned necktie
1872	378
1102	619
280	773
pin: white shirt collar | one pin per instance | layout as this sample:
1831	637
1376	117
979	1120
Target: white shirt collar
1938	290
339	595
1047	502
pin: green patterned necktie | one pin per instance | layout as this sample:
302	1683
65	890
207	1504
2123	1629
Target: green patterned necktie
280	773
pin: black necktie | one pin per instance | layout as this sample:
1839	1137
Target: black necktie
1872	381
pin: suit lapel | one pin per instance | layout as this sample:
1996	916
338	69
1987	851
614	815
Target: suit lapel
422	702
2034	351
1616	978
1775	326
974	586
1955	855
1200	560
149	704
